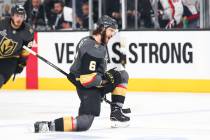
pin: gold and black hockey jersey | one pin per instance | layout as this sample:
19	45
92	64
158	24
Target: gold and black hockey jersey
90	62
12	40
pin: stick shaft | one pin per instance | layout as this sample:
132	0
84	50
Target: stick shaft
45	60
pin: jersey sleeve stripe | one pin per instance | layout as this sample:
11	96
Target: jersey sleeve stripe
87	79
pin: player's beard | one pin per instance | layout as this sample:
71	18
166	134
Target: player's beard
103	37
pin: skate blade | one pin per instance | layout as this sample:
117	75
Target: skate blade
117	124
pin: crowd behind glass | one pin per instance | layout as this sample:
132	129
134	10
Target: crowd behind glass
51	14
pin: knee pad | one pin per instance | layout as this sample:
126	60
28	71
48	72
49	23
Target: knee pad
124	76
1	80
84	122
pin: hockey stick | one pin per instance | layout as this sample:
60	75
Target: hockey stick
55	67
124	110
45	60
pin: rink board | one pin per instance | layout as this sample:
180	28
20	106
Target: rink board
156	60
162	85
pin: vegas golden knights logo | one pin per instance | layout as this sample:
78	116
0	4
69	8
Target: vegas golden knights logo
7	47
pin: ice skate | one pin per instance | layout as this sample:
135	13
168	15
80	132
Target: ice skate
44	126
118	119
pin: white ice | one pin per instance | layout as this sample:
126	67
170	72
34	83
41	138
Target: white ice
155	116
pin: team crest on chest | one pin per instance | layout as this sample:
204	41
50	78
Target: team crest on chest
7	47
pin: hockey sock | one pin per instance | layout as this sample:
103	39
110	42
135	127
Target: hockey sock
80	123
118	94
65	124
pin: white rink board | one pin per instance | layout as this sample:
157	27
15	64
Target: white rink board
46	48
199	68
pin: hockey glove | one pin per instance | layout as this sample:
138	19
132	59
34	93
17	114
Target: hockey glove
20	66
113	76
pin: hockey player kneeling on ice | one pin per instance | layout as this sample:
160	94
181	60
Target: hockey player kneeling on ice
88	73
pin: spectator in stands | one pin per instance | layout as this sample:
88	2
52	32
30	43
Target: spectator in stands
144	13
48	6
191	14
57	18
79	3
112	8
170	13
35	14
131	13
6	12
84	18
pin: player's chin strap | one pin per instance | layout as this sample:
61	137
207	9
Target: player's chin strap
64	73
124	110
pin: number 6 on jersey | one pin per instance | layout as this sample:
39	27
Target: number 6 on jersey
92	66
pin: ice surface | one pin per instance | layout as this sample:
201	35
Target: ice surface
155	116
